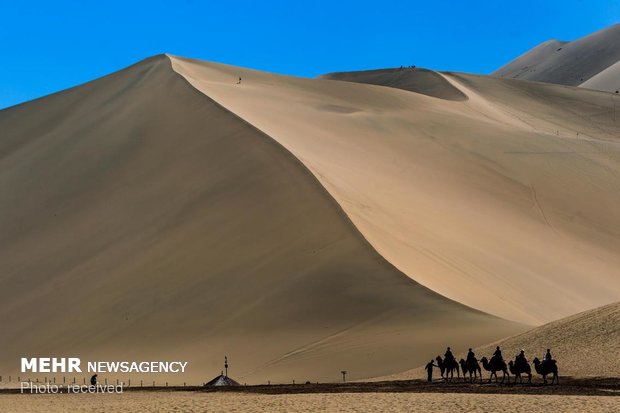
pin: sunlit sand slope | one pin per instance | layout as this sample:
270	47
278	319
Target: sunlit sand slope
608	79
497	202
585	344
140	220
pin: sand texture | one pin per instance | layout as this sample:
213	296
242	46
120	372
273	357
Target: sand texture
586	344
345	402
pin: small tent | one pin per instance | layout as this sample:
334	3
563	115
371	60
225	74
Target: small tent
222	380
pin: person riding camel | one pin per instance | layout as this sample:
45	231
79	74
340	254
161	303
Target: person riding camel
448	356
497	355
471	356
520	360
548	357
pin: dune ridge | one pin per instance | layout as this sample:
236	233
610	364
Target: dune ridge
572	63
477	208
424	81
300	226
141	220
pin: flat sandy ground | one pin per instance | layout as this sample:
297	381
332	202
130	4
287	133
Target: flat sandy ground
343	402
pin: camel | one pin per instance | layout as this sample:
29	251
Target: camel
494	366
546	368
517	369
448	367
471	367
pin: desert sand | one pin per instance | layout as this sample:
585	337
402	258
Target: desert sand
344	402
575	63
300	226
491	201
608	79
585	344
143	221
424	81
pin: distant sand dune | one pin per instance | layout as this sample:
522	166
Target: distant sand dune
585	62
424	81
608	79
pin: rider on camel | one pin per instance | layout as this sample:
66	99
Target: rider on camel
448	356
471	356
520	360
497	355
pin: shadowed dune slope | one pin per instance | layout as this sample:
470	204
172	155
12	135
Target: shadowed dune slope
142	221
424	81
570	63
493	202
584	344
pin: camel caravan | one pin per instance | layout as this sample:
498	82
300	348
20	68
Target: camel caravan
471	366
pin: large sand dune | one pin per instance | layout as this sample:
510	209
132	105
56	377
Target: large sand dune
494	201
571	63
300	226
141	220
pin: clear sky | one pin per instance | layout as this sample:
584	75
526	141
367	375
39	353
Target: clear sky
48	46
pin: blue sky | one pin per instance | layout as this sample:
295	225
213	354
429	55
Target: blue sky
49	46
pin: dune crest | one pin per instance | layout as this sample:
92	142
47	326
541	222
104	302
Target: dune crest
424	81
141	220
492	202
575	63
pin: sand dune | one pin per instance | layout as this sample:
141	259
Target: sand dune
492	202
300	226
424	81
141	220
608	79
585	344
570	63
